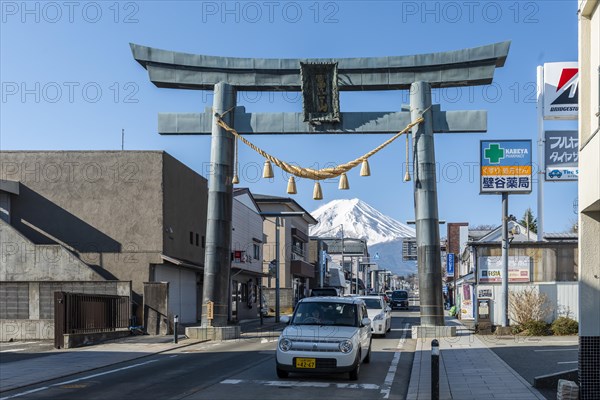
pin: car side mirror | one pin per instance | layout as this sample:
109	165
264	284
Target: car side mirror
285	319
365	322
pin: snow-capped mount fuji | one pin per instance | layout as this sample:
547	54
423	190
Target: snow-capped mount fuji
359	220
384	235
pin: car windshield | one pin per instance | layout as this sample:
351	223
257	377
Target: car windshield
325	313
373	304
400	294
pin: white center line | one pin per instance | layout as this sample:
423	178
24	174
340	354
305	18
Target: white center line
389	379
567	362
303	384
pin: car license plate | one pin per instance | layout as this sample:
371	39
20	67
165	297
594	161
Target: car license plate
306	363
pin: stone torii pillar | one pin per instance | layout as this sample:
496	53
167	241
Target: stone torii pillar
466	67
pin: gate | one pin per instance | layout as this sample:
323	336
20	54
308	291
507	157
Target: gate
88	313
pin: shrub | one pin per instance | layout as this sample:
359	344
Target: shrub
565	326
528	305
536	328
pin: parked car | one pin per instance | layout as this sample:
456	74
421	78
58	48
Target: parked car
325	335
380	314
324	291
399	299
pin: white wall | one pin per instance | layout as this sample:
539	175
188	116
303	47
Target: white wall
562	296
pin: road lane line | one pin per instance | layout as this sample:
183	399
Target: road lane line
25	393
77	380
567	362
301	384
12	350
19	343
389	378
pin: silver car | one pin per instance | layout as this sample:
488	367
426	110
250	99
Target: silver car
325	335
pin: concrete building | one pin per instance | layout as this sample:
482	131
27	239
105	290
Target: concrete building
549	266
589	198
353	257
295	272
246	256
135	216
457	236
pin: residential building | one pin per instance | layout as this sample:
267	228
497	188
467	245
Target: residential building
134	216
295	272
589	198
246	257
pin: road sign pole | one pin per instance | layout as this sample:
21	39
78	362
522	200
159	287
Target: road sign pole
541	168
504	296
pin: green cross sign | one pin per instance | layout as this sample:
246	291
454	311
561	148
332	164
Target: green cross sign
494	153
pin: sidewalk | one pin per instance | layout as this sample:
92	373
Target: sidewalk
469	370
62	363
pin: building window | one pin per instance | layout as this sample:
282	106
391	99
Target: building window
197	240
203	242
191	237
256	252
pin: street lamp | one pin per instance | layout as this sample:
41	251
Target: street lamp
278	215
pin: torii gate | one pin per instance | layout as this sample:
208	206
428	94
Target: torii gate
226	76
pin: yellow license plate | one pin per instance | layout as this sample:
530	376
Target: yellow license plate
306	363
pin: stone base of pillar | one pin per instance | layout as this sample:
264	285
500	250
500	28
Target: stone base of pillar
437	332
213	332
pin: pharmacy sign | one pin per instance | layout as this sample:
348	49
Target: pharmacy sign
505	166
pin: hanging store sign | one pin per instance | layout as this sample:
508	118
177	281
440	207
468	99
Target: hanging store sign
505	166
561	149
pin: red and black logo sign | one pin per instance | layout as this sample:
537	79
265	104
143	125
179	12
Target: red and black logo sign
568	84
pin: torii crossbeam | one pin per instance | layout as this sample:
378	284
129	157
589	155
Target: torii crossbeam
226	76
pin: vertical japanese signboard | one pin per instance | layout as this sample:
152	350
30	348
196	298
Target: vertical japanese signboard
505	166
450	264
561	155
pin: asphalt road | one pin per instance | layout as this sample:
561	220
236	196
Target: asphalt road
241	369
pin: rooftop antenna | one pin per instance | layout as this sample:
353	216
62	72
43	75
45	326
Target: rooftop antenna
122	139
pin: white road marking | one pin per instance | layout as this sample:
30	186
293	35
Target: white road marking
567	362
12	350
19	343
389	378
173	356
304	384
558	350
77	380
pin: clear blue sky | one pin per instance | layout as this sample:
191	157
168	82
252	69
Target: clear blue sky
69	82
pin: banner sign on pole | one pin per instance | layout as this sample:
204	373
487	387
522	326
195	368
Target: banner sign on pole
505	166
450	264
561	151
561	86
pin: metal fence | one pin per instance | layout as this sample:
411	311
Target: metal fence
88	313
